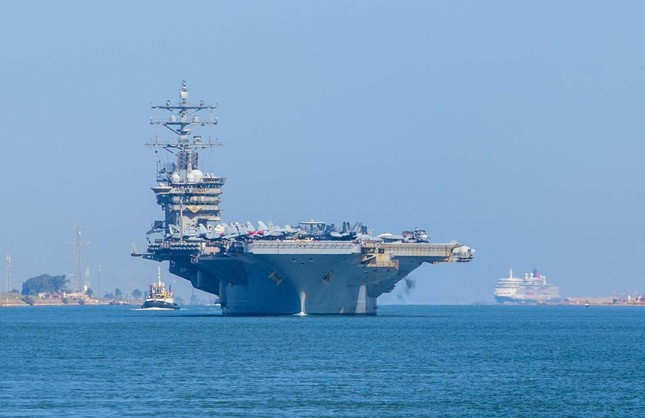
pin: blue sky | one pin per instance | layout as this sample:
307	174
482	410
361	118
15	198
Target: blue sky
514	127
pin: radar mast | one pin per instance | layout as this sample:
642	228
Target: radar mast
189	197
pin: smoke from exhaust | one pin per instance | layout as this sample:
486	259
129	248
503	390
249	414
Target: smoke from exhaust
410	284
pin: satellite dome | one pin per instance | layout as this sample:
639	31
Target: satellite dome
175	177
197	175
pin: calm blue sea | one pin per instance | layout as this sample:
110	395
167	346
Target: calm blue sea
407	361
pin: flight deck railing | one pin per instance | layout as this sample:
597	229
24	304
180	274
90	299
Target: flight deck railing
302	246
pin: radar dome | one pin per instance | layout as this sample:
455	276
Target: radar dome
197	175
175	177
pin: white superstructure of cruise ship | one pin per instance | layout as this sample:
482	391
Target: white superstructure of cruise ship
533	288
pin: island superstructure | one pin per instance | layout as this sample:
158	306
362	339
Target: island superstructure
255	269
532	288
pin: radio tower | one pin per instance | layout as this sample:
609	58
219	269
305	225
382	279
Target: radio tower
8	278
78	244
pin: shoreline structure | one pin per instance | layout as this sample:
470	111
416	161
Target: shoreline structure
17	300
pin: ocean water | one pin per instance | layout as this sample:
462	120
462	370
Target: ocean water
407	361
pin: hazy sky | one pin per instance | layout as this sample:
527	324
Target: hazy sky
516	128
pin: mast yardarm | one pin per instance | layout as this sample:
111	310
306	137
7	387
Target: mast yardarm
189	197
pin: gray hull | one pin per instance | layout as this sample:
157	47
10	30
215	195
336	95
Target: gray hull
324	277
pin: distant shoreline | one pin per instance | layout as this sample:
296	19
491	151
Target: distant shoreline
41	303
17	303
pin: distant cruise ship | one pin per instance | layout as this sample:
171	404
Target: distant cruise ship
533	288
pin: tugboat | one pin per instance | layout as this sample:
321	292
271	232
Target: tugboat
159	297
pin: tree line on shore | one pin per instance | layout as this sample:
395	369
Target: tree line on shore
46	283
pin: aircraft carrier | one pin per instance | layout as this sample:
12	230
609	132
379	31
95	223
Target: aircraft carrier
264	269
